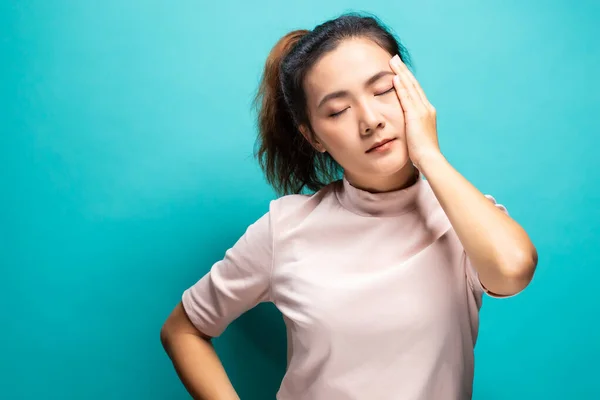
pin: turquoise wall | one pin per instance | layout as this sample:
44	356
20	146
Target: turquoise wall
126	139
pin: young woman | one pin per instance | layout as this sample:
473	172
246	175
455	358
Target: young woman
379	271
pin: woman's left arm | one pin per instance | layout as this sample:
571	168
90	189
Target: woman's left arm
498	247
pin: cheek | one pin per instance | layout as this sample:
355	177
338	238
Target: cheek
395	115
394	110
336	135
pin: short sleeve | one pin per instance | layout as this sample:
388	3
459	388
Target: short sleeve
234	284
472	275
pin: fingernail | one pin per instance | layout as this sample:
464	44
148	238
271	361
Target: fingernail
396	59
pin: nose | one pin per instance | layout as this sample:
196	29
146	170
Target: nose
371	121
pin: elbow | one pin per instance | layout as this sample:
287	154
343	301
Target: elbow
168	333
165	336
518	270
177	326
510	271
523	265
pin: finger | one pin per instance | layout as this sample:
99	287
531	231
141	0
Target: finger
416	85
410	76
406	101
419	105
402	69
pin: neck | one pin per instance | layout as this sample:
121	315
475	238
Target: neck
402	179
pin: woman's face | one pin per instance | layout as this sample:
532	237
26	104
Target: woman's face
353	106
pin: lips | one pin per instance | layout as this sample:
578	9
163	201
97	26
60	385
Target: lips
380	143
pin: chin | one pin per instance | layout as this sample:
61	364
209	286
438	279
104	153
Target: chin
393	164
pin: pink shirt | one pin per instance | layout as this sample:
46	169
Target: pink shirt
377	293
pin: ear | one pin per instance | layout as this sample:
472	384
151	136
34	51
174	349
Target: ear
314	142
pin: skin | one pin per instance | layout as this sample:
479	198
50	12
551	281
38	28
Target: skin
195	360
392	107
366	115
348	124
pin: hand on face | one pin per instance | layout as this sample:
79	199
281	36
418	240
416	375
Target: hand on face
419	114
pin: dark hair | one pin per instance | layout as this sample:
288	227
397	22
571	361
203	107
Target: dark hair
289	161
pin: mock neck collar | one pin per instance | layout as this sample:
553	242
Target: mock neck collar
384	204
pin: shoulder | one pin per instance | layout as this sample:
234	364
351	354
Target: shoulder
292	209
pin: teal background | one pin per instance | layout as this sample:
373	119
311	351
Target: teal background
126	139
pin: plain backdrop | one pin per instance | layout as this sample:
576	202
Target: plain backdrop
127	170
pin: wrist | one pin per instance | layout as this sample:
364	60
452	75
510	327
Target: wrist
430	161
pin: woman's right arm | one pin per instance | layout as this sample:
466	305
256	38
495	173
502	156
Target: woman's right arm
194	358
233	285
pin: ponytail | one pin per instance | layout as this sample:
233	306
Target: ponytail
289	161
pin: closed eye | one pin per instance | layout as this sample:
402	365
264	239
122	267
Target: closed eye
386	92
337	114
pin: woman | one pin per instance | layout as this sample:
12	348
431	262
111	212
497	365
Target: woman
379	275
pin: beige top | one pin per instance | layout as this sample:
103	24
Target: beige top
378	296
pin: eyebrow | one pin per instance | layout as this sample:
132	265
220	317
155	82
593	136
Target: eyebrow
344	93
